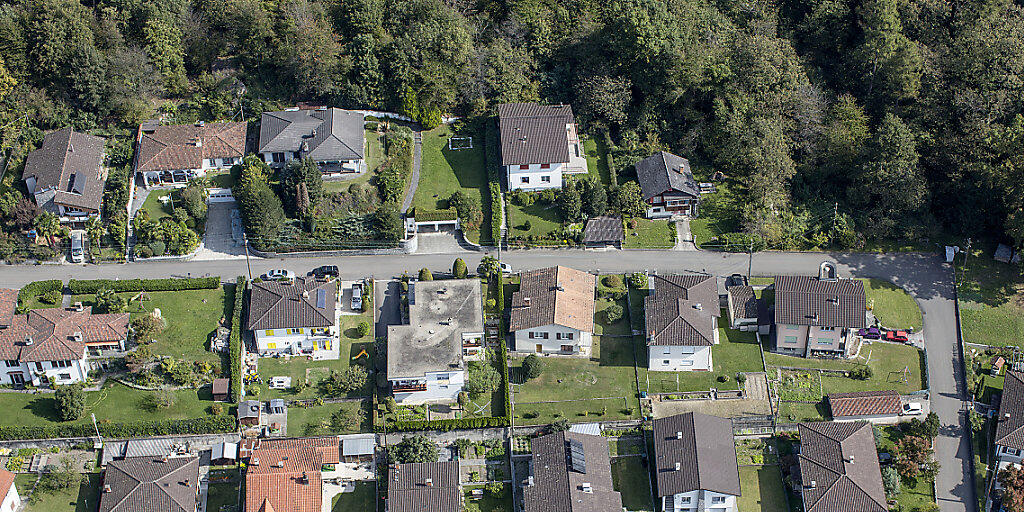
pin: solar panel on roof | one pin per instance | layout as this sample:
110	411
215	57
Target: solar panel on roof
577	460
321	298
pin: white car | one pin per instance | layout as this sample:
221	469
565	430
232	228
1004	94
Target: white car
357	296
505	268
912	408
279	274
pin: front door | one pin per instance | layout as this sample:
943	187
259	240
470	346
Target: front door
540	348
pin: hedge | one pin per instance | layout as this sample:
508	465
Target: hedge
205	425
37	288
496	212
448	425
235	341
491	157
143	285
499	292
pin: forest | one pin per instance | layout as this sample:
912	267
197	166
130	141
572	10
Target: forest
842	121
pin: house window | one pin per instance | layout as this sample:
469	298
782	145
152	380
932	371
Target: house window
545	179
828	328
665	361
524	179
686	363
792	327
64	376
686	350
11	363
717	500
545	166
523	167
566	348
271	345
296	155
824	341
61	364
299	330
1011	451
39	365
684	499
667	351
789	339
277	157
563	336
270	332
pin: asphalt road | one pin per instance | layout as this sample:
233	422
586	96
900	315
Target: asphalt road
924	276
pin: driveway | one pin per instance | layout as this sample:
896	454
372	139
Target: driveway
387	300
218	243
445	242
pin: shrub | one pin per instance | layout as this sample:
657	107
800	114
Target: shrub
340	383
159	248
146	326
414	449
38	288
78	287
363	329
459	269
612	281
533	366
217	409
108	301
612	314
638	280
741	377
162	399
425	275
496	212
203	425
235	341
527	225
861	373
52	297
144	251
69	401
723	378
548	196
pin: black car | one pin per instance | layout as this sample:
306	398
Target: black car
325	271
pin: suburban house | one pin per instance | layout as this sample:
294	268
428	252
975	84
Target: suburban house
295	316
427	356
66	175
819	316
1009	439
288	475
331	137
681	315
570	472
742	307
10	500
839	468
424	487
538	145
668	186
695	463
52	346
553	311
880	407
604	232
145	484
173	154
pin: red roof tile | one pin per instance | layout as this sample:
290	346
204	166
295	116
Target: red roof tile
174	147
864	403
53	331
287	476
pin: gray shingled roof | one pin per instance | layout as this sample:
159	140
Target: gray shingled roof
744	303
424	487
664	173
704	448
806	300
1010	430
71	163
558	484
323	135
146	484
671	314
282	304
839	468
604	229
534	134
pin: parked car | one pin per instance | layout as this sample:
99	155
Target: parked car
871	333
325	271
357	296
77	246
912	408
505	268
279	274
898	336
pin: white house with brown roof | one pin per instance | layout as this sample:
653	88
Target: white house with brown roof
553	312
10	500
668	186
695	463
174	154
52	346
287	475
881	407
295	316
539	144
681	317
66	175
818	316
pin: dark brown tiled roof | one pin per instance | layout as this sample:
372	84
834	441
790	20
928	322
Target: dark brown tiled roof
603	229
220	386
145	484
282	304
665	173
1010	429
839	468
173	147
424	487
563	463
287	478
804	300
53	334
682	310
534	134
864	403
703	447
744	304
72	164
8	303
556	295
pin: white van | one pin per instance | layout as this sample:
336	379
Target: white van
77	247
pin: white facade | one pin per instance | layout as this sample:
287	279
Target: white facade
679	358
554	339
700	501
11	500
17	373
1013	455
278	158
534	176
296	340
433	387
181	176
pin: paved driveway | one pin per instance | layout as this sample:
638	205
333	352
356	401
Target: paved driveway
217	242
387	300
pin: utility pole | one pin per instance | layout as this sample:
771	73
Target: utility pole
967	254
245	239
750	258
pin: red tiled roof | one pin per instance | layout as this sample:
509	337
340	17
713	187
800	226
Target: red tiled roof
864	403
287	477
173	147
8	302
53	331
6	481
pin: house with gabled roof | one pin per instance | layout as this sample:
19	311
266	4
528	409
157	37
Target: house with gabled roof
553	311
839	468
881	407
295	316
681	318
1009	439
287	475
424	487
695	463
174	154
539	144
66	175
10	500
147	484
668	186
570	472
819	316
331	137
52	346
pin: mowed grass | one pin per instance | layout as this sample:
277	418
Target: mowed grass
84	498
361	499
991	300
444	171
887	362
762	489
543	218
633	482
487	502
312	421
597	160
650	234
1000	326
158	209
794	412
915	492
892	305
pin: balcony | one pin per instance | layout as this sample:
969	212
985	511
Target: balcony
408	387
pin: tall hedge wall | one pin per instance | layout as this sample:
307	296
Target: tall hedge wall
235	341
143	285
37	288
205	425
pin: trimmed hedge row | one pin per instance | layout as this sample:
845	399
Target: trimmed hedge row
235	341
205	425
496	212
499	296
448	425
143	285
494	177
37	288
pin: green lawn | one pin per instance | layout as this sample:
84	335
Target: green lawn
84	498
650	234
762	489
223	492
794	412
443	171
916	492
756	452
312	421
157	209
374	151
991	299
719	214
892	305
362	499
597	159
620	328
633	481
221	180
543	218
488	502
887	362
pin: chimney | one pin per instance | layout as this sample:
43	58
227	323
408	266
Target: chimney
812	484
587	488
28	340
305	478
429	482
850	459
279	464
200	123
679	435
255	461
106	488
679	466
529	481
78	306
698	306
1006	416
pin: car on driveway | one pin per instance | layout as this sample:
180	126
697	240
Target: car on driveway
279	274
505	268
357	296
896	336
912	408
325	271
871	333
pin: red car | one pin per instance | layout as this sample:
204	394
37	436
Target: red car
900	336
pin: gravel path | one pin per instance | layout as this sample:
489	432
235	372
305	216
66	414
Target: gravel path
417	151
